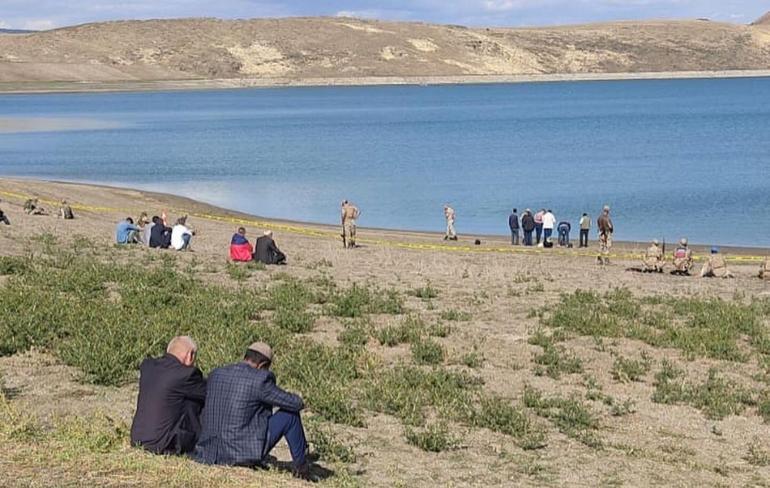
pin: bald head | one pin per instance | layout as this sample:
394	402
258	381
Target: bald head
184	349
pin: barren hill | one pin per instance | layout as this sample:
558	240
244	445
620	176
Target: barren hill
303	48
764	20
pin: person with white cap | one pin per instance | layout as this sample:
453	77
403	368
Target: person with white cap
240	426
715	266
682	258
653	260
266	251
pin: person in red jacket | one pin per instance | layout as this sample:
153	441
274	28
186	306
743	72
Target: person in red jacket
240	247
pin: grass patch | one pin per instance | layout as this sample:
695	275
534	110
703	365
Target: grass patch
625	370
555	360
436	437
428	351
455	315
359	300
501	415
570	415
426	292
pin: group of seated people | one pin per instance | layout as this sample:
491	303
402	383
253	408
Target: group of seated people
265	251
234	418
155	233
654	261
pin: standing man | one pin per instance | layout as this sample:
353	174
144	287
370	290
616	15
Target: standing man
585	227
604	223
549	221
539	224
349	215
171	395
528	226
513	223
449	214
239	425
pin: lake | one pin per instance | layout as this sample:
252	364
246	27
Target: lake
672	157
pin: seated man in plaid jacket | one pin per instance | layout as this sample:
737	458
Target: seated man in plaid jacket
239	426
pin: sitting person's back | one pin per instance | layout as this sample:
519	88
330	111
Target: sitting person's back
126	232
181	235
240	247
160	235
266	250
172	392
65	211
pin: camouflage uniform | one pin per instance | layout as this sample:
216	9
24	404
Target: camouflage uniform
653	259
682	259
764	269
716	267
604	224
349	215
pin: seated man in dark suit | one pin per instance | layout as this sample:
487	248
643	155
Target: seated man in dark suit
239	426
171	395
267	252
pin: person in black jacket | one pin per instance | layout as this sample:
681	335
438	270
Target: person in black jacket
160	235
528	226
513	224
172	392
266	251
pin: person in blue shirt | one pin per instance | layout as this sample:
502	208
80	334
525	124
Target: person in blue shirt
126	232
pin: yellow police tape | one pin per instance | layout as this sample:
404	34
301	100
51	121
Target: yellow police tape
421	246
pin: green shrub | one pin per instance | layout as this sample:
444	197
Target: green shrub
327	446
426	292
434	438
356	333
428	352
357	301
571	416
625	370
558	361
13	265
500	415
455	315
237	271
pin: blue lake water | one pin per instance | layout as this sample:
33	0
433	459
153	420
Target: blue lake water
673	158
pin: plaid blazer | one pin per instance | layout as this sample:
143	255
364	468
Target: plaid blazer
239	403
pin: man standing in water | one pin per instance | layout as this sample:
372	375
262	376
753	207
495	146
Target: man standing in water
604	223
449	214
349	215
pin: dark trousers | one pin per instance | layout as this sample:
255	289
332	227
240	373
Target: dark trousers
538	232
563	237
515	237
527	237
547	234
584	237
187	430
4	218
288	425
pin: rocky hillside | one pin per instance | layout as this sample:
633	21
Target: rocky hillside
300	48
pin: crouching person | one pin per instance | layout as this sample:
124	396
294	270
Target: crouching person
266	251
239	425
172	392
240	247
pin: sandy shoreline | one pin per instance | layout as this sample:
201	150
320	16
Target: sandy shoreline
14	190
31	87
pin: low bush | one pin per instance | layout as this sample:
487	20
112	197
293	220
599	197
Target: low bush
571	416
428	351
436	437
358	300
625	370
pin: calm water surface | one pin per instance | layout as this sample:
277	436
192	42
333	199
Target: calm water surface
673	158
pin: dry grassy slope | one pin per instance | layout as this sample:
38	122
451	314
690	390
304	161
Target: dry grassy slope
340	47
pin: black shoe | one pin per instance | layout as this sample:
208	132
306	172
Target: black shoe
302	472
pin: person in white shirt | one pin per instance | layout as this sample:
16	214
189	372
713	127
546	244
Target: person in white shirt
181	235
549	221
449	214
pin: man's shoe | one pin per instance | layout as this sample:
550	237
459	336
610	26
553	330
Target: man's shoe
302	472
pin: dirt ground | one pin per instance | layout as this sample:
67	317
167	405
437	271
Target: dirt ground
499	286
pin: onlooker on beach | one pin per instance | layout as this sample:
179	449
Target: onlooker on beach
240	247
449	215
653	260
605	227
349	215
4	218
549	221
32	207
239	425
715	266
539	224
181	235
585	227
172	392
126	232
266	251
682	258
764	269
528	226
65	211
160	234
513	224
145	228
564	229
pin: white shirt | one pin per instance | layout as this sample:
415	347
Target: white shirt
176	236
548	220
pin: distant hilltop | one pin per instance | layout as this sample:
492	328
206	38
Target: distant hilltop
764	20
329	48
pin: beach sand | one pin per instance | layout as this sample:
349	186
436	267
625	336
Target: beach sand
498	285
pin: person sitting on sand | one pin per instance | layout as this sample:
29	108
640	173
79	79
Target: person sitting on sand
240	247
65	211
266	251
160	235
181	235
172	392
239	425
764	269
126	232
145	228
715	266
4	218
682	258
32	207
653	260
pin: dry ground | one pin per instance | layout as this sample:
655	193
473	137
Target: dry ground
655	444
